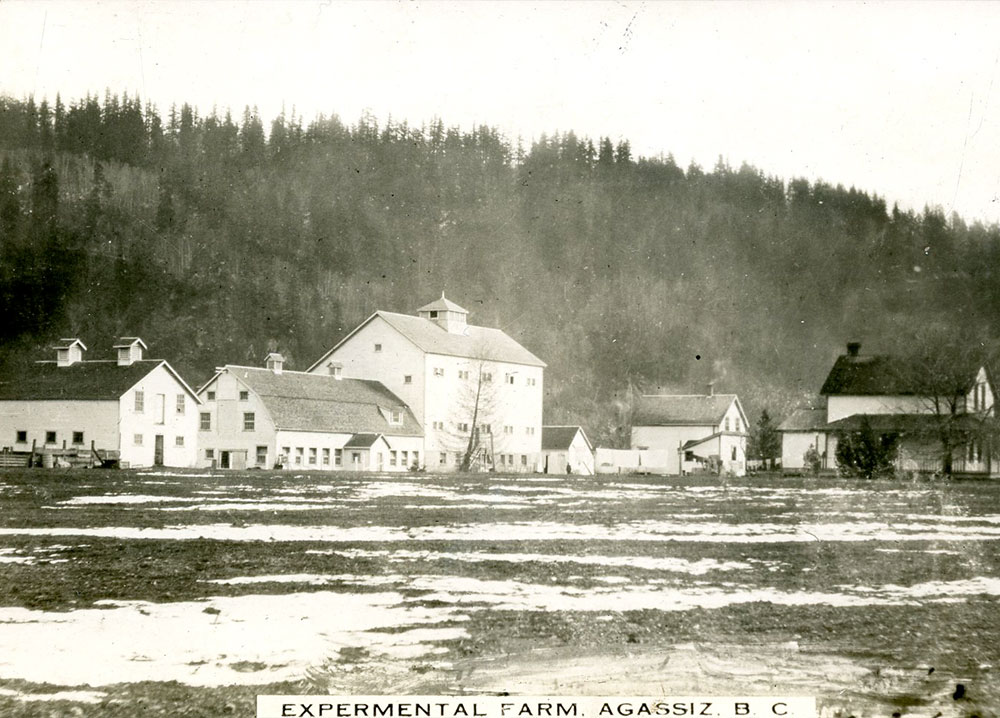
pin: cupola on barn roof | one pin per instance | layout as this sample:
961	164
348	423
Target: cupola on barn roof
442	305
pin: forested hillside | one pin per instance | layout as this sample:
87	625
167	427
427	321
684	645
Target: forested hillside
217	239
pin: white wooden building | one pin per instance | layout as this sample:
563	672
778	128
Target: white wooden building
566	450
802	430
463	382
137	410
889	395
702	433
269	417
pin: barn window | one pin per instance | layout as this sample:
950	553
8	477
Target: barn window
312	457
378	347
77	437
248	421
181	403
211	396
137	439
338	457
178	441
408	379
326	457
261	456
727	423
443	458
434	314
22	437
140	402
206	421
50	437
209	453
392	457
244	395
299	453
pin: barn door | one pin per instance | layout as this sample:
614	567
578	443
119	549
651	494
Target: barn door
158	450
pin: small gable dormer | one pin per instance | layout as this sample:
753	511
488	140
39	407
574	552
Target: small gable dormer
446	314
129	350
275	362
69	352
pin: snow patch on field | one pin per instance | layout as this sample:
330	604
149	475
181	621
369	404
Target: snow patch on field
677	565
659	531
219	641
74	696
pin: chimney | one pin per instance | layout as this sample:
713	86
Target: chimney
69	352
710	388
275	362
853	348
129	350
336	370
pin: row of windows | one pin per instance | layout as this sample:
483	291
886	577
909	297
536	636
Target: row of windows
249	421
51	437
462	426
979	397
139	440
180	403
464	374
501	459
244	395
736	422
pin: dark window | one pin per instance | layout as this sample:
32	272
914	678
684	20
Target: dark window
211	396
50	437
244	395
434	314
206	422
77	437
248	421
22	437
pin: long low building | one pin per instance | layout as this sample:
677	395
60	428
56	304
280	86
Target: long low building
136	411
272	418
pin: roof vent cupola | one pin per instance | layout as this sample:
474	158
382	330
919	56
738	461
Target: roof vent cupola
446	314
275	362
336	370
129	350
69	352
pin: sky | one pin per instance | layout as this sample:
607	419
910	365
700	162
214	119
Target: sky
900	99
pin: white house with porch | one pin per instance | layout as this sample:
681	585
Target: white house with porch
902	398
701	433
126	409
270	417
468	386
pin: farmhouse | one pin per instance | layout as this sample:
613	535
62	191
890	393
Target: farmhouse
137	411
940	416
475	390
700	432
566	449
272	418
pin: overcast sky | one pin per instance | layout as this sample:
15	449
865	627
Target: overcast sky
893	98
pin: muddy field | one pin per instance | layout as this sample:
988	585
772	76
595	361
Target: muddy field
142	593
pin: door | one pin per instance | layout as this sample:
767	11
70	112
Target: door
158	450
223	459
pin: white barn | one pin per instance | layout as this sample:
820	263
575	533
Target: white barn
465	384
701	433
566	450
268	418
138	411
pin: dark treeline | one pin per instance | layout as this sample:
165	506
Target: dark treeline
217	239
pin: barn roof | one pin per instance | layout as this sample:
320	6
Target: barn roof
474	343
319	402
804	420
559	438
98	380
682	409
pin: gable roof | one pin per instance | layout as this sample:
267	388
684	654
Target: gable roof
98	380
683	409
473	343
919	424
363	441
804	420
298	401
559	438
885	375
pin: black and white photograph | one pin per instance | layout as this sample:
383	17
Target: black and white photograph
548	359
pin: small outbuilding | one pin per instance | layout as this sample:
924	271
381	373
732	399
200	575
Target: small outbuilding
566	449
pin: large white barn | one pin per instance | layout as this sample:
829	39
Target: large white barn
138	411
467	385
273	418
